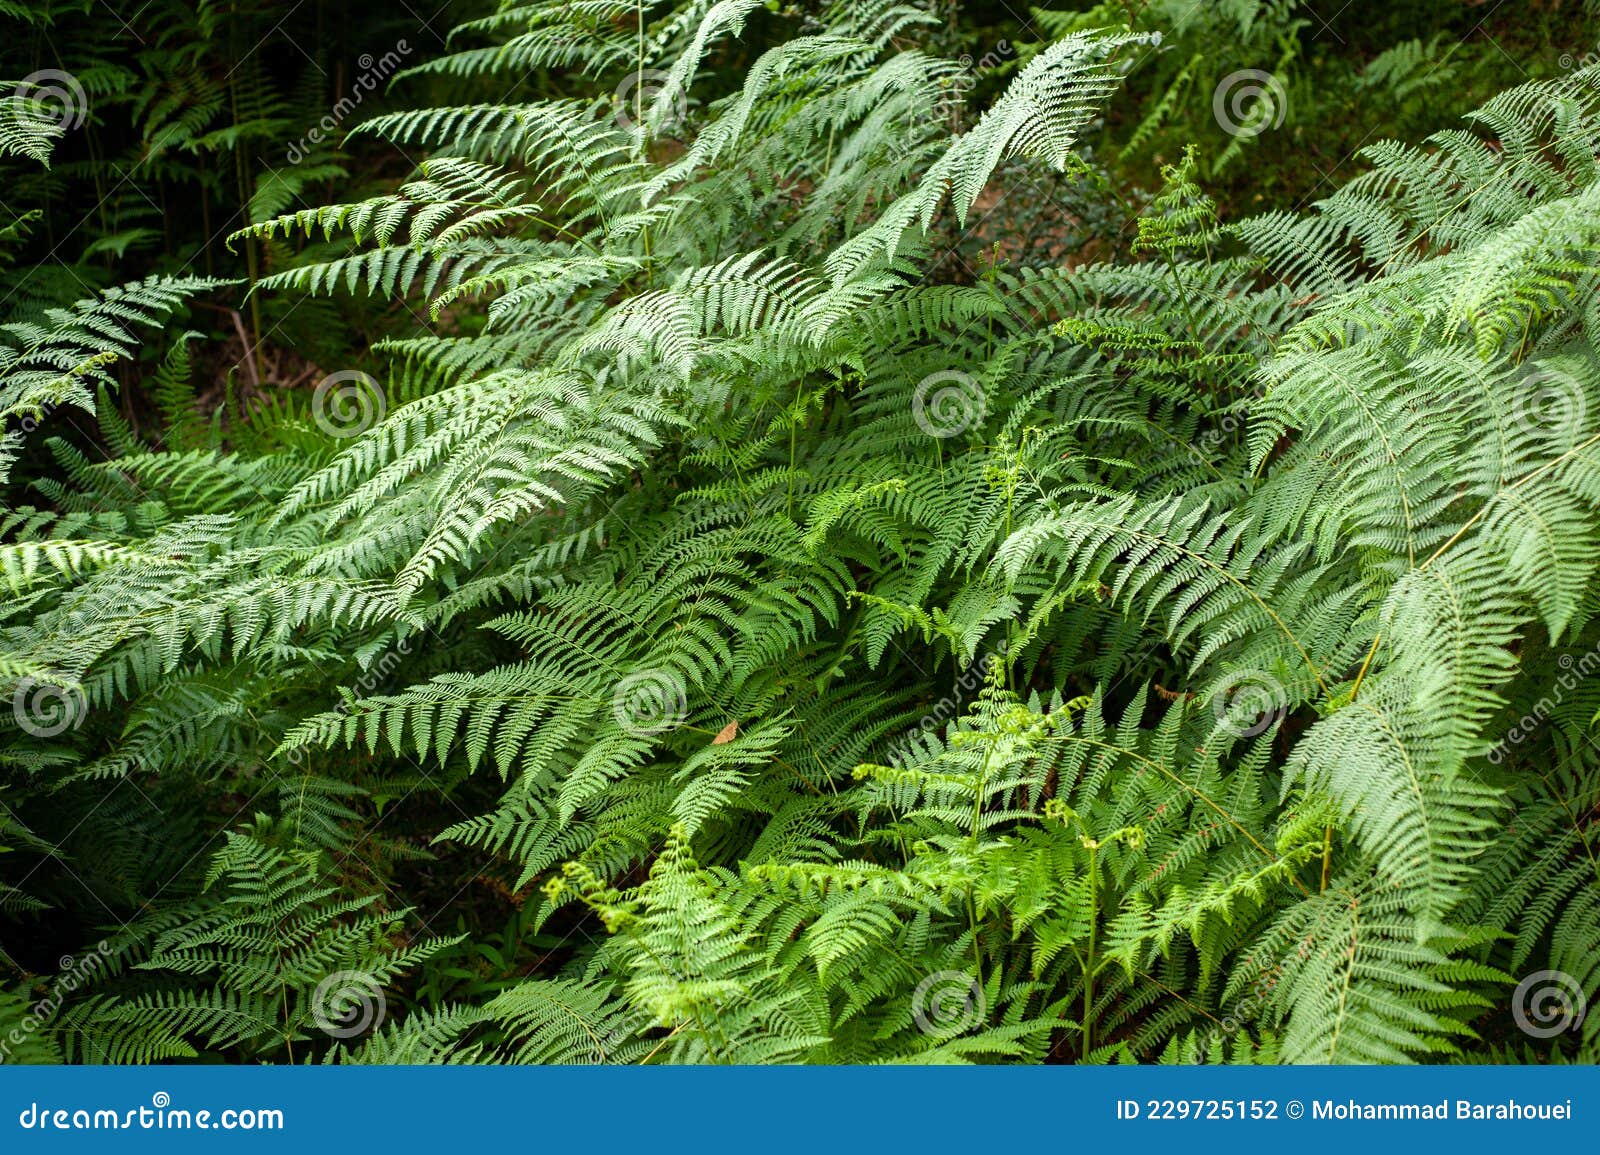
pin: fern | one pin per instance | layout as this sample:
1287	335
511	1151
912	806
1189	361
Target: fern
782	642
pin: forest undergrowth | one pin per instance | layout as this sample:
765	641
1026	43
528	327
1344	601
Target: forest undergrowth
743	535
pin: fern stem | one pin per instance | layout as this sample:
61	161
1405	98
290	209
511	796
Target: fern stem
1512	488
794	427
1366	665
1089	960
1183	297
1204	562
1578	827
1195	790
252	267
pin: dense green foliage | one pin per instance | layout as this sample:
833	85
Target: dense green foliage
773	549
